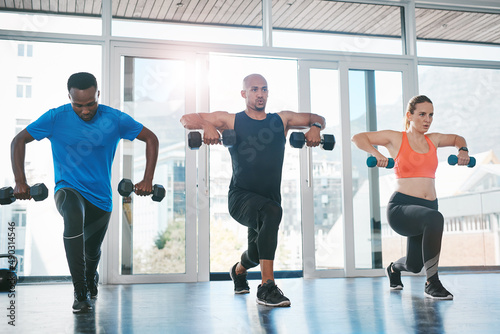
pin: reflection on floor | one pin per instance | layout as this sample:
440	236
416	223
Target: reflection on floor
338	305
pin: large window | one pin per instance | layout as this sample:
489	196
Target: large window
39	227
375	104
228	239
152	233
466	102
327	173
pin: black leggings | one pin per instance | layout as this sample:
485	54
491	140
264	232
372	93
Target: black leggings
262	216
84	228
420	221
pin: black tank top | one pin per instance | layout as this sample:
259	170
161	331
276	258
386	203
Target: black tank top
258	155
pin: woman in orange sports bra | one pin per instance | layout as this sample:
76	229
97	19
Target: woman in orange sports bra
413	208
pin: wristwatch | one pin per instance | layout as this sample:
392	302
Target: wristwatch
463	149
316	124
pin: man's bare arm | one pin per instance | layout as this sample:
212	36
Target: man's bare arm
210	123
17	156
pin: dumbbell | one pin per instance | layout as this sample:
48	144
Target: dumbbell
8	277
38	192
126	187
228	139
453	160
298	139
372	162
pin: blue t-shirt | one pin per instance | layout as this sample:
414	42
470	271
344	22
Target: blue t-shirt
83	151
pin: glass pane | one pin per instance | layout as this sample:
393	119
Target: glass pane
28	91
337	26
153	233
327	173
39	21
39	227
457	50
228	239
187	33
375	242
19	91
331	42
466	102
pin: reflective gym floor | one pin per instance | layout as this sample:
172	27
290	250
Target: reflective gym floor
337	305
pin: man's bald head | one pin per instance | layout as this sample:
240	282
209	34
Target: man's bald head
251	78
255	92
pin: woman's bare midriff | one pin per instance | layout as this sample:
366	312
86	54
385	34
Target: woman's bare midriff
421	187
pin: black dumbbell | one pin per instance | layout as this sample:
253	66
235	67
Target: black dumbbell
8	277
126	187
298	139
38	192
453	160
228	139
372	162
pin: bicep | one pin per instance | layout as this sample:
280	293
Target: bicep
146	135
24	137
296	119
219	119
381	138
442	140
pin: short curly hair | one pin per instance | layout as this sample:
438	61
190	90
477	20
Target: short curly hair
82	80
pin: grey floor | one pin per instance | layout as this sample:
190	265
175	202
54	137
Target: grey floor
340	305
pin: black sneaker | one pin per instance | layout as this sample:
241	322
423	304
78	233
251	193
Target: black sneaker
394	278
92	283
436	290
240	281
270	295
82	302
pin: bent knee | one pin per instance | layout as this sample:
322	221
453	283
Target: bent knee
435	219
272	211
413	268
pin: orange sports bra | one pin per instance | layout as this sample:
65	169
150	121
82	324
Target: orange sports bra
409	163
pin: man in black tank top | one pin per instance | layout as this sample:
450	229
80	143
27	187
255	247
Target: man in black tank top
254	197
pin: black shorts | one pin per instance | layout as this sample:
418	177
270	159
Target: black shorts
244	206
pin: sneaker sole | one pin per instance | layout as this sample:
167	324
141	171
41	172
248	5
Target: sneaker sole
83	310
284	303
241	292
449	297
395	288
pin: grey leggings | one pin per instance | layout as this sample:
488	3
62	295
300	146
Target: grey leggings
420	221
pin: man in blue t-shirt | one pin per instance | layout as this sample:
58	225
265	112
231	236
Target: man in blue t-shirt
254	198
84	136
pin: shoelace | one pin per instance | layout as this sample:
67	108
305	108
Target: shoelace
275	290
437	286
242	278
